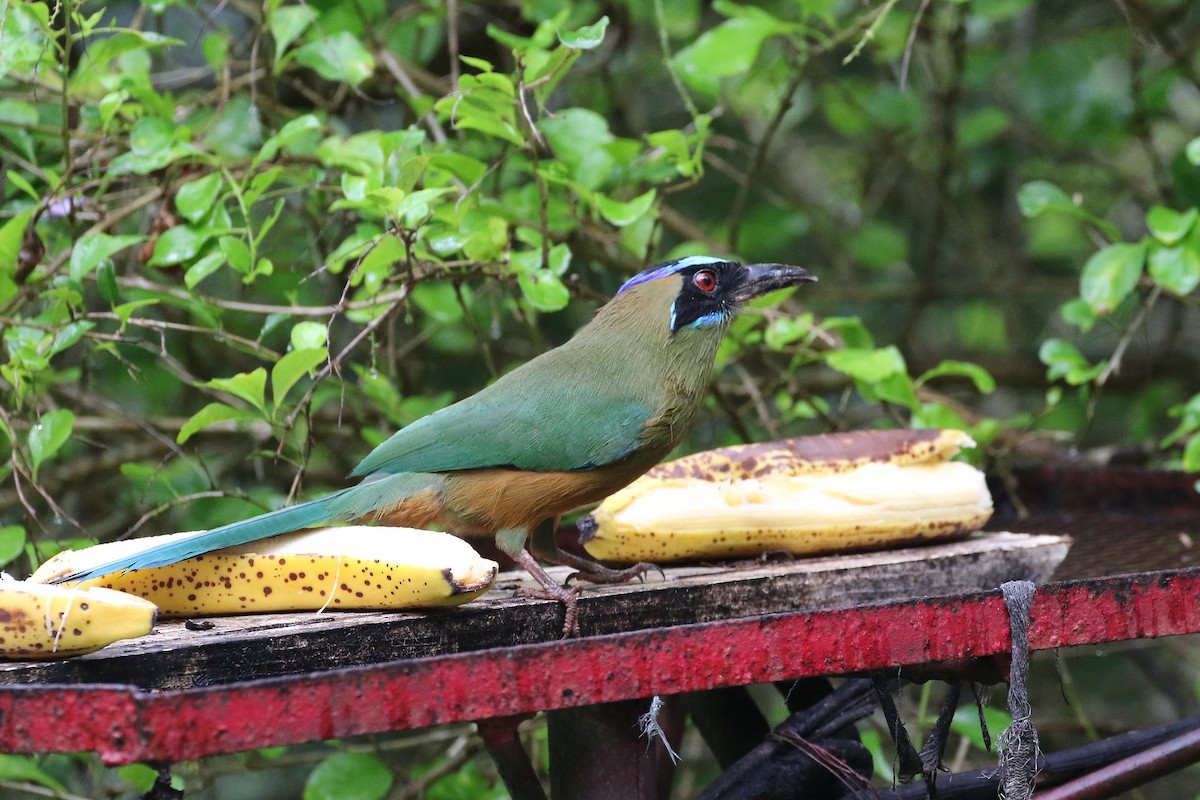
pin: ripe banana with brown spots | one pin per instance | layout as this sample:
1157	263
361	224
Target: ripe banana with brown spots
833	493
39	621
349	568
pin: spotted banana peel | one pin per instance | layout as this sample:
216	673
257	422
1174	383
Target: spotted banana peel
348	568
41	622
832	493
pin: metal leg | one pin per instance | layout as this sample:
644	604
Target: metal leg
503	744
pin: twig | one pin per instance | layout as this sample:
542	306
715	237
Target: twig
1114	361
334	363
664	43
760	155
180	500
262	308
393	66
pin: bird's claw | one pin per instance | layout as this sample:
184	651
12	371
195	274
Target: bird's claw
597	573
567	595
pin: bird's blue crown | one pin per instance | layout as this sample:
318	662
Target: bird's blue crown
669	268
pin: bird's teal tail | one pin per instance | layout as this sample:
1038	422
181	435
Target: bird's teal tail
349	504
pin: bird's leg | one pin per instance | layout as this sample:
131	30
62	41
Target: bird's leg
512	543
547	549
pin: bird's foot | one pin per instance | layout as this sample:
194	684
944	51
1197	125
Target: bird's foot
567	595
594	572
550	590
598	573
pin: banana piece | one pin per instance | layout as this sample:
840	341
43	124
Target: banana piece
818	455
797	495
350	568
40	622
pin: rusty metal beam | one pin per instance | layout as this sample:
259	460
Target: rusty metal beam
128	725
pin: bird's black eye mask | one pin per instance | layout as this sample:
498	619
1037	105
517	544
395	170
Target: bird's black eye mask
704	296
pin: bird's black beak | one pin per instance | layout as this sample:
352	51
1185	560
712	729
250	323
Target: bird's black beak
758	279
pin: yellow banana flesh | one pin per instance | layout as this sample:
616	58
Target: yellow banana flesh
351	568
41	622
818	455
873	503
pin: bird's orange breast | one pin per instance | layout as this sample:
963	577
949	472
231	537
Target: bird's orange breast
489	500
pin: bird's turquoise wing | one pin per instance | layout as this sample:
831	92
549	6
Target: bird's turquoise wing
553	430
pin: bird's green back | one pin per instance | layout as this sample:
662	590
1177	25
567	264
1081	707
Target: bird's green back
621	384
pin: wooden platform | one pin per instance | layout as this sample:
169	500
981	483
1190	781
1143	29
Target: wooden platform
235	649
254	681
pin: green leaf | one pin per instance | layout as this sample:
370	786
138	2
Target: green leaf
984	382
286	23
12	543
211	414
439	300
728	49
349	776
1038	197
966	724
291	368
93	248
237	252
625	213
140	776
543	290
1169	225
311	334
586	38
1176	269
1191	454
177	245
203	267
1064	360
21	182
12	234
1110	275
1193	151
868	366
289	133
106	282
48	436
151	136
69	334
195	198
1189	422
578	137
249	386
25	769
897	388
1079	314
417	206
338	57
215	47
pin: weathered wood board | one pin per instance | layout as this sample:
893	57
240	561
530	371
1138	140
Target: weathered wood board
240	648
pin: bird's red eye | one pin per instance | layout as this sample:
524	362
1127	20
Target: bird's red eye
705	280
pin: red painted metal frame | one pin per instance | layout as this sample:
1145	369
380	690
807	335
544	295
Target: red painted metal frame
127	725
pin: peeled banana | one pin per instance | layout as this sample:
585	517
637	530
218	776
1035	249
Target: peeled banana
820	494
39	621
349	568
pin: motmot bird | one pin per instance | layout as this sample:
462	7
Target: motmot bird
566	429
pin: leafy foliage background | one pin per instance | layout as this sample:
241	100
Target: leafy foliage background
241	243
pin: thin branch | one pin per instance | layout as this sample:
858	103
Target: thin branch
263	308
392	65
664	44
1114	361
